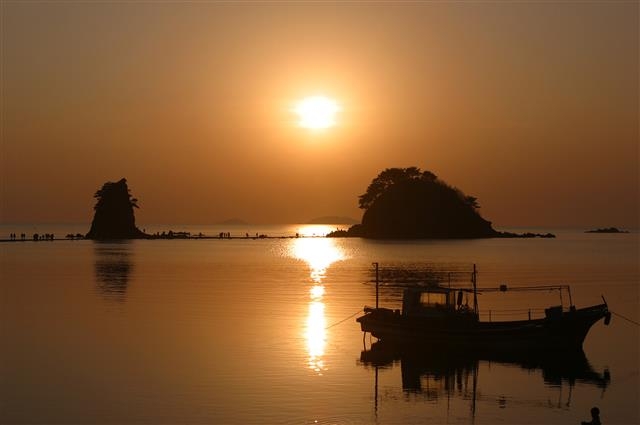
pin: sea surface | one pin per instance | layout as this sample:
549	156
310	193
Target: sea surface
262	330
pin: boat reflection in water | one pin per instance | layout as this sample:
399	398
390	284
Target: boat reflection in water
434	374
319	254
113	266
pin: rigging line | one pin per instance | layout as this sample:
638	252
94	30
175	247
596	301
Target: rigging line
625	318
343	320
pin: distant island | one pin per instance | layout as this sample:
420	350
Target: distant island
332	219
113	217
607	230
407	203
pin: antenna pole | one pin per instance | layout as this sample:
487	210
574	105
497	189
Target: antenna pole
475	290
377	296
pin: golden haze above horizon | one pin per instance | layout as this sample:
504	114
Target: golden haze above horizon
532	108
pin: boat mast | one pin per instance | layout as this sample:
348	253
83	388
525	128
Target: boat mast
475	290
570	300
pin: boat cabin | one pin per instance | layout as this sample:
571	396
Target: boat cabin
432	302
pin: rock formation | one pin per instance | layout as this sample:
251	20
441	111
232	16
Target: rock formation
114	218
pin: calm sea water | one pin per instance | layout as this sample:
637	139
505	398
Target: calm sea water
252	331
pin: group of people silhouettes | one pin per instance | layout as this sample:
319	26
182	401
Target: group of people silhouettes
35	237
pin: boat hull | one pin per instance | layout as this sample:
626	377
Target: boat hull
564	331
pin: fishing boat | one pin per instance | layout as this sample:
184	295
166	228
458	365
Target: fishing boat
435	315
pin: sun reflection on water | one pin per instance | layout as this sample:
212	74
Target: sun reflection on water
319	254
316	336
316	292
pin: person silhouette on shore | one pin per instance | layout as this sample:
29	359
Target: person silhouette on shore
595	417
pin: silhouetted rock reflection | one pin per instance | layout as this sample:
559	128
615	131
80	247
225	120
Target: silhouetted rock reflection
113	266
454	370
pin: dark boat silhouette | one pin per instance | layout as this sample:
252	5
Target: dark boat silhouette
434	315
568	367
435	373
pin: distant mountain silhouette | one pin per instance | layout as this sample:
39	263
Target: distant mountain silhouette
607	230
114	218
332	219
407	203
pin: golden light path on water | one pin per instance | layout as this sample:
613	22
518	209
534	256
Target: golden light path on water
319	254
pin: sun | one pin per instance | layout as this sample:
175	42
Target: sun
317	112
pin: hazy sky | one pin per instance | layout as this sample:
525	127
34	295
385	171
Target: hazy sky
531	106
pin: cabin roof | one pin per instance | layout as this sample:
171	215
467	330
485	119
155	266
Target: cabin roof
435	289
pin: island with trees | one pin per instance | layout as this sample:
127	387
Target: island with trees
407	203
114	217
400	203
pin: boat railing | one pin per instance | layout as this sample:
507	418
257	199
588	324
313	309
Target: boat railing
451	278
512	314
543	288
422	274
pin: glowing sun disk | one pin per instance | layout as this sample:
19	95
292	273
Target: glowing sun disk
317	112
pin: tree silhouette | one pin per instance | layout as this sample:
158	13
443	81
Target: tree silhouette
410	203
390	177
114	218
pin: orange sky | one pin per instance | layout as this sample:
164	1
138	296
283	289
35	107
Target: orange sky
531	107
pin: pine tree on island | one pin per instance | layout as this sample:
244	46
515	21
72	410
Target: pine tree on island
114	218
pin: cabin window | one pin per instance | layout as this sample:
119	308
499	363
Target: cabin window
433	299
